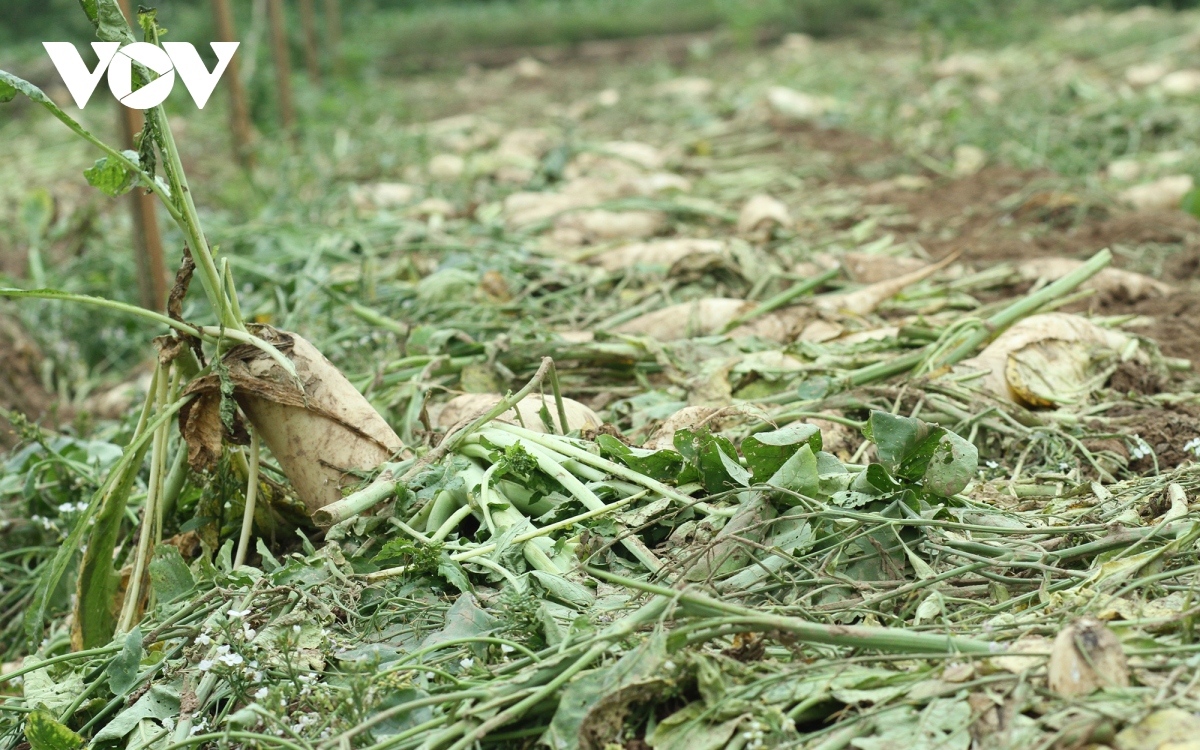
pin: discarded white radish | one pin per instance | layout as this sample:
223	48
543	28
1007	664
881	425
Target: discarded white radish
663	253
315	435
583	227
706	317
1127	285
469	405
865	300
870	268
761	213
1163	194
1046	359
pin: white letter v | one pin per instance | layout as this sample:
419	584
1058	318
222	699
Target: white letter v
79	80
199	82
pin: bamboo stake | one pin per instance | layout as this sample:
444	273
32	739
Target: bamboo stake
308	19
283	64
239	109
333	33
147	239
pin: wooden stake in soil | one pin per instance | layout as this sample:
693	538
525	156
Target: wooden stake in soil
333	33
147	240
308	19
283	63
239	110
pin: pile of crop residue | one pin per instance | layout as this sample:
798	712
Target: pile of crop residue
717	424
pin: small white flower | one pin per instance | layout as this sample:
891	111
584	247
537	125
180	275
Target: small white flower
231	660
1140	448
203	639
993	465
237	613
430	675
295	628
250	633
467	663
261	693
1193	447
223	648
204	665
506	649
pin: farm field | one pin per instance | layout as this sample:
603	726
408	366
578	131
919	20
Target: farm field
679	391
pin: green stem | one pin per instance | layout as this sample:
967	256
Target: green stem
783	298
855	636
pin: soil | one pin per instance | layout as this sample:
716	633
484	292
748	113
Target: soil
1176	325
20	385
1134	377
1167	431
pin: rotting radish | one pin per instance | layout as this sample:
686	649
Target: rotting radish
1007	378
1125	285
741	318
528	412
315	423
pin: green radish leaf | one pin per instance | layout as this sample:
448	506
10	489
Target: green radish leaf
662	465
454	574
560	588
954	463
1190	203
766	452
110	176
109	21
8	92
798	474
119	482
99	582
123	670
714	458
591	700
44	733
170	577
159	702
895	437
729	552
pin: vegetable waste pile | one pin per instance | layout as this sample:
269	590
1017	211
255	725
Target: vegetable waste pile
666	435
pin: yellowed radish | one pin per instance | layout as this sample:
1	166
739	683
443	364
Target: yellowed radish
315	434
470	405
1068	339
1126	285
656	253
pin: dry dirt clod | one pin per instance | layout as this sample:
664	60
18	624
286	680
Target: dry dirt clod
1085	657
